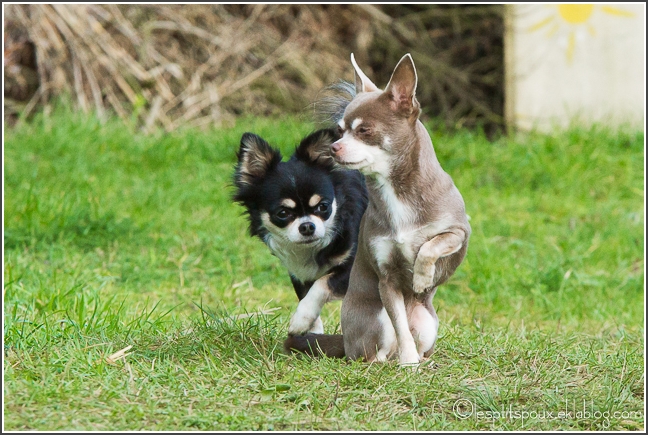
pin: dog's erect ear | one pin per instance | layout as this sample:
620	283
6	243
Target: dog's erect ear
255	159
316	148
402	86
358	82
362	82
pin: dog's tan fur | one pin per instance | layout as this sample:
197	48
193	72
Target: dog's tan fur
414	233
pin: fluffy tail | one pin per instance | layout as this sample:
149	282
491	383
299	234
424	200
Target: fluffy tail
332	101
316	345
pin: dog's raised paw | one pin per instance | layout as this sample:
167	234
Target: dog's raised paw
423	278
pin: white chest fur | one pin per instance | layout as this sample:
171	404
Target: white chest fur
400	214
384	246
405	237
299	260
408	240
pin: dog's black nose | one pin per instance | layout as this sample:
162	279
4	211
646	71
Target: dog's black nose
307	229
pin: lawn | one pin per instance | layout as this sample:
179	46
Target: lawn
114	239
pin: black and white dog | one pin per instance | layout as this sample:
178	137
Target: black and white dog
307	211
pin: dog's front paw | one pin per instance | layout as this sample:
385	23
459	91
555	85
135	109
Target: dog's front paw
300	323
423	276
317	327
409	359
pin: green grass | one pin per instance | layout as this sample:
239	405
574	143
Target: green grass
114	239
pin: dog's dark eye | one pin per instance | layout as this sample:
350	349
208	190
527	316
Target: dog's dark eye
340	131
322	207
363	130
282	214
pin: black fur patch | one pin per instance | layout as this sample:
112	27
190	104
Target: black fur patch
263	181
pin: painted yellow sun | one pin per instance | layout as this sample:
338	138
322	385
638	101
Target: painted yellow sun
572	22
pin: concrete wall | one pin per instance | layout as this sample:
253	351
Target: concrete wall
575	64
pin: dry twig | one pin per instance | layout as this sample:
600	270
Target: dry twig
176	65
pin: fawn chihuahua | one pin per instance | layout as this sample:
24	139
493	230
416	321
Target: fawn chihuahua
413	235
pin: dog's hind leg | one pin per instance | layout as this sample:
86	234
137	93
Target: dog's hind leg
424	326
361	307
434	325
440	246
